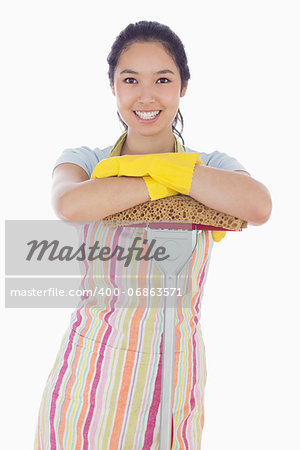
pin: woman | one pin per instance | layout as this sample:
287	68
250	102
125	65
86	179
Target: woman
104	389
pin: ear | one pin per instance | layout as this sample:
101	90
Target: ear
112	88
184	88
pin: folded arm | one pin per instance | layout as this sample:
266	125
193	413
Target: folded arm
77	198
232	192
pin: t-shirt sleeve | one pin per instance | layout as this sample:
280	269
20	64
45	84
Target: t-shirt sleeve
83	157
221	160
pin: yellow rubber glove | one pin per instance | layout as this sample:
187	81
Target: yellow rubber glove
110	168
126	165
107	168
157	190
174	170
217	235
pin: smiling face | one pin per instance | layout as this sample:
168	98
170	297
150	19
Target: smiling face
147	86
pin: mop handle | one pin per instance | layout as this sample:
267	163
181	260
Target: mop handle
179	245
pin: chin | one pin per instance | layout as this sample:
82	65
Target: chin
143	131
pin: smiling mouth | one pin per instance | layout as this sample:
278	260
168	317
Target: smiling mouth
147	115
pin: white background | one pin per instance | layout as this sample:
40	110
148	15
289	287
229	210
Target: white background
243	99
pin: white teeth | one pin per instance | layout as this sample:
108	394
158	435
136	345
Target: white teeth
147	115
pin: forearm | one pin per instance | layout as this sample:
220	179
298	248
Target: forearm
95	199
233	193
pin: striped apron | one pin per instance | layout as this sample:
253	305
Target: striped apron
104	389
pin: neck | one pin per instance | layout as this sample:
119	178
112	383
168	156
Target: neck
136	144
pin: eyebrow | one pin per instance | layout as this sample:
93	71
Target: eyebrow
160	72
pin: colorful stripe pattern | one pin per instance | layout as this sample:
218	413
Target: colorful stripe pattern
104	389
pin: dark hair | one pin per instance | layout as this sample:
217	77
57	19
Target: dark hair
145	31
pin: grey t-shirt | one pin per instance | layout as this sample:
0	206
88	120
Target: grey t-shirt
87	158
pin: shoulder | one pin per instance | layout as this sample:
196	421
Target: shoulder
219	160
84	156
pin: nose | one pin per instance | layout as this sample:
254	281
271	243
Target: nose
146	94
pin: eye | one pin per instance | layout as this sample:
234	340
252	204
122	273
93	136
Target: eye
163	80
130	80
